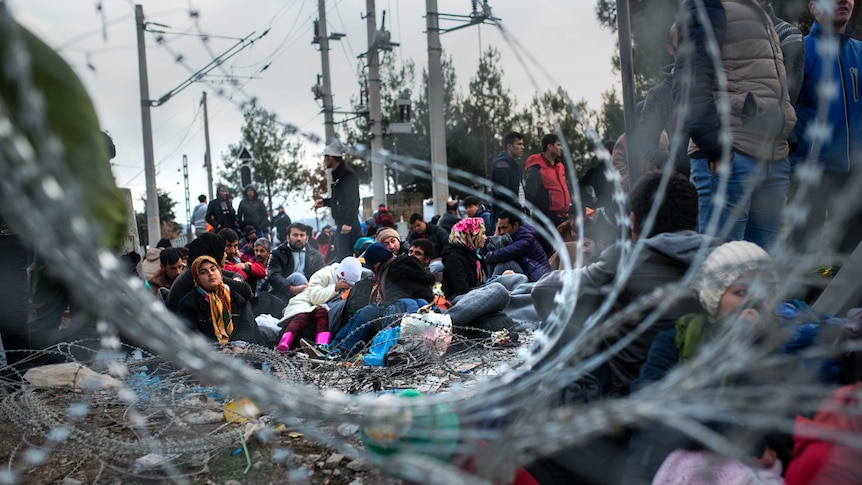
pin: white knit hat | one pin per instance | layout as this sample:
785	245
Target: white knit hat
725	265
349	270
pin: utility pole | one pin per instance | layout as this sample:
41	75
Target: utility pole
375	121
436	122
189	229
627	77
207	154
326	94
152	206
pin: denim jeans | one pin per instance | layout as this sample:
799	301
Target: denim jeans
368	320
755	196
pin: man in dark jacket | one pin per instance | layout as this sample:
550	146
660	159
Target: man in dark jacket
432	232
524	255
292	263
220	213
343	199
252	211
280	223
506	173
450	217
665	255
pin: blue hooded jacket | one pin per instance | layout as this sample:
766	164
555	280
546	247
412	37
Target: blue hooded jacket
524	250
842	151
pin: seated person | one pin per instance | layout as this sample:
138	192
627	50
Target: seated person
665	256
524	254
310	305
246	243
403	286
215	311
232	261
421	249
390	238
473	207
293	263
171	264
212	245
432	232
463	269
256	267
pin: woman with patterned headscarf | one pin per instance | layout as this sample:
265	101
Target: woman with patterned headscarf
214	310
462	266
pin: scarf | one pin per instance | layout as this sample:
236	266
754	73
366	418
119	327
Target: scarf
219	302
468	233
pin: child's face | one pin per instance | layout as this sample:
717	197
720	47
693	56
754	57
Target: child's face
751	286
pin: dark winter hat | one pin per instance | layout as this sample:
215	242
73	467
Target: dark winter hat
377	253
207	244
164	243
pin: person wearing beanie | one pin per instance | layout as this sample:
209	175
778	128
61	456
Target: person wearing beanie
390	238
310	306
361	245
732	284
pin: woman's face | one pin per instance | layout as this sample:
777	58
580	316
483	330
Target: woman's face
209	276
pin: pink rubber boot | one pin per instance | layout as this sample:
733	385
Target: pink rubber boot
323	338
284	344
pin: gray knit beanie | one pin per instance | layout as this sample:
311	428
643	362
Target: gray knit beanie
725	265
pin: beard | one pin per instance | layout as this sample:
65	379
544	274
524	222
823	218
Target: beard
297	245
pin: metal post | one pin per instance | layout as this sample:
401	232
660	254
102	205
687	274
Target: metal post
323	39
189	229
627	74
208	163
378	171
152	207
436	122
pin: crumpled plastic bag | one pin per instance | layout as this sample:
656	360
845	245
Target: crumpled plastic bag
71	374
435	329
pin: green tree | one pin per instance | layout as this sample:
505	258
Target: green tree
487	113
612	122
277	168
167	218
552	107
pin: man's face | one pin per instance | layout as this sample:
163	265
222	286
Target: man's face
516	149
419	254
504	226
419	227
393	243
328	161
231	249
261	254
297	239
471	210
174	270
555	150
222	192
840	16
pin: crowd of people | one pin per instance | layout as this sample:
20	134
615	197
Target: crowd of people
709	224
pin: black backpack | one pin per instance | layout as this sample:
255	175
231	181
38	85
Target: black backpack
359	297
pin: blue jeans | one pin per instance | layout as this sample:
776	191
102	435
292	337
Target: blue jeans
756	193
368	320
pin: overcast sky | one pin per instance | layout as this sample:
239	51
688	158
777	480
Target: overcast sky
561	35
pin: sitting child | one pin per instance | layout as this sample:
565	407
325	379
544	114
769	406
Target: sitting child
309	306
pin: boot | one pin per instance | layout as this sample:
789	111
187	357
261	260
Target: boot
323	338
284	344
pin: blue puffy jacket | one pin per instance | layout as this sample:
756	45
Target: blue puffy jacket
842	151
524	250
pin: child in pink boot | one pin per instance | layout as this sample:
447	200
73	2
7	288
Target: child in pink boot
309	306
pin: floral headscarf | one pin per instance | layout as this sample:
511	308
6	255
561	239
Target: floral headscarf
219	301
468	233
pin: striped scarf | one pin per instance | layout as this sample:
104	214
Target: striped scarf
219	301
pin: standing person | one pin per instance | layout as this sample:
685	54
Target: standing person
280	223
506	173
545	184
199	216
252	211
220	213
760	119
343	200
839	155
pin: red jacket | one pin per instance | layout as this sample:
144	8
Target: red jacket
554	200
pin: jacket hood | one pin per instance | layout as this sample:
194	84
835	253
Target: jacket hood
252	187
680	246
153	255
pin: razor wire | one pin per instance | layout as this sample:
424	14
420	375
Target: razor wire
534	425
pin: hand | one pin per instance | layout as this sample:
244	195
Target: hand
318	203
342	285
295	290
345	229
